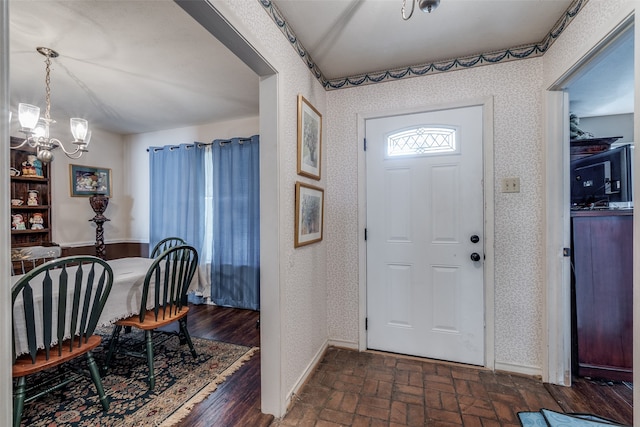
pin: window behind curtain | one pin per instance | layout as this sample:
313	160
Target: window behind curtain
235	267
176	187
208	194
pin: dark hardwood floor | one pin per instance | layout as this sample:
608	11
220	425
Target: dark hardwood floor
613	400
236	402
449	391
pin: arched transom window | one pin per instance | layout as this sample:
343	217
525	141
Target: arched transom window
422	141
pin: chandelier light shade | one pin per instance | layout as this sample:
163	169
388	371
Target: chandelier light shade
79	128
28	115
424	5
36	128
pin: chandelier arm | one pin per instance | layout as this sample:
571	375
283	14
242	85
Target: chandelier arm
404	4
23	143
57	143
80	153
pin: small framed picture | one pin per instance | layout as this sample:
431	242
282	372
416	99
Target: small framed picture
309	214
309	139
89	181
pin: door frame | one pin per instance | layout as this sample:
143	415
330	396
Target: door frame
556	366
489	217
557	357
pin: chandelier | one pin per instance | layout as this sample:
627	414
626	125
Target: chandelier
36	128
424	5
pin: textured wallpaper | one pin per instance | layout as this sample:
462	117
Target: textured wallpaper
319	283
518	146
518	90
303	295
590	26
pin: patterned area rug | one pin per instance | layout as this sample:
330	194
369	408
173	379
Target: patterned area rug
181	382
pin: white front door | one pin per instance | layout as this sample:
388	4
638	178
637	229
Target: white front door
425	288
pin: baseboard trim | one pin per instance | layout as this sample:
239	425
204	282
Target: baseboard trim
350	345
302	380
531	371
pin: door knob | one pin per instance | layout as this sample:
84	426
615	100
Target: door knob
475	256
475	239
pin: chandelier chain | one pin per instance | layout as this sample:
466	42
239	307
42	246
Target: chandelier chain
36	127
47	81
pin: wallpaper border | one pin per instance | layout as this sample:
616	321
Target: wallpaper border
511	54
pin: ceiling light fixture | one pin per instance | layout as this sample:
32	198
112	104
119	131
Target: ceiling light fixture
424	5
36	128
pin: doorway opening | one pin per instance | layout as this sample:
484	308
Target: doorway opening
272	396
601	199
590	151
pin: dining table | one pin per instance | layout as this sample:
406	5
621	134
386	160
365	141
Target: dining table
123	301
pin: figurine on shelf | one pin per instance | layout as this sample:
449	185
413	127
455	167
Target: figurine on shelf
32	200
32	167
37	165
575	131
17	222
37	222
27	168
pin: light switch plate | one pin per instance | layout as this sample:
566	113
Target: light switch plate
511	185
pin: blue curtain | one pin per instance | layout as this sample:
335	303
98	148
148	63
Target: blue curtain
176	193
235	269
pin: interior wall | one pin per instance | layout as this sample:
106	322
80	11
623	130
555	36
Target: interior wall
71	215
613	125
6	359
301	314
519	273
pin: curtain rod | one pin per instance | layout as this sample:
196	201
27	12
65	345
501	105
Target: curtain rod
225	141
222	142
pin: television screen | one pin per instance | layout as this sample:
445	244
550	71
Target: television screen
602	179
592	183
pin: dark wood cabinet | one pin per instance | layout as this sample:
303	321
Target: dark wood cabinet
603	289
36	213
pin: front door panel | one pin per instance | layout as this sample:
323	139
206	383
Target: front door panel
425	294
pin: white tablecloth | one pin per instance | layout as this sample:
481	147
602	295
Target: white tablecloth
123	301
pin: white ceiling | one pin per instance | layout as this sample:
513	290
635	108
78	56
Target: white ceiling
351	37
140	66
126	66
605	86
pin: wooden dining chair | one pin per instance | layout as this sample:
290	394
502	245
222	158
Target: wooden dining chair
165	244
165	285
24	259
56	307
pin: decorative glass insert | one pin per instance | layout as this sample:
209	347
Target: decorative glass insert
421	141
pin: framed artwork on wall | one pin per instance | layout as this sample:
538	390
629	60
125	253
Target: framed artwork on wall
309	139
309	214
89	181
